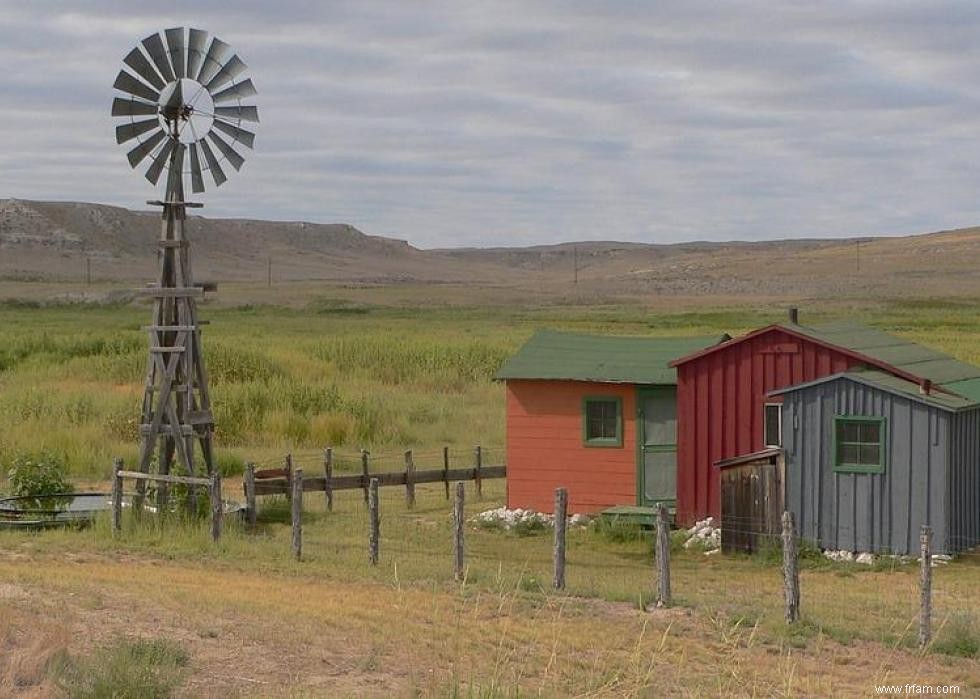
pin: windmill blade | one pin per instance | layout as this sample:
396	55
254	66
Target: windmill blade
244	137
159	160
124	132
158	54
145	148
175	177
127	83
242	113
197	42
197	180
229	71
132	107
177	50
213	60
226	150
238	91
137	61
216	172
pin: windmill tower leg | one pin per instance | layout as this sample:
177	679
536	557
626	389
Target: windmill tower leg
176	413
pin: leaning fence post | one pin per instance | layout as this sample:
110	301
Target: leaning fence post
477	470
375	537
365	474
561	522
409	479
296	512
663	556
289	476
459	558
328	477
445	469
214	492
791	573
925	585
250	505
117	488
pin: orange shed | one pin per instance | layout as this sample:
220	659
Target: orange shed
596	415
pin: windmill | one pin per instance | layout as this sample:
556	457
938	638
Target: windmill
183	113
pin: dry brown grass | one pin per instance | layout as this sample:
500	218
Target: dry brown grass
28	641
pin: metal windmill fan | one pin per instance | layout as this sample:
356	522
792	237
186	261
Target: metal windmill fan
185	96
182	92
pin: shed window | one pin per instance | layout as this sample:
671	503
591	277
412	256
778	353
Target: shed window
772	424
859	444
602	418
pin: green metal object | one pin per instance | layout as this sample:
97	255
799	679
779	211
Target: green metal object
636	514
554	355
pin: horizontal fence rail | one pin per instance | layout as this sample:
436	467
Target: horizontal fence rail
276	481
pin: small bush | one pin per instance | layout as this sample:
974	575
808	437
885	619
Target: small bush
960	636
617	530
137	669
34	476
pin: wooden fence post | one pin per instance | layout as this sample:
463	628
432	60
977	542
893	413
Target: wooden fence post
445	469
561	522
459	519
477	468
409	479
791	573
117	488
251	513
925	585
374	540
289	476
297	513
365	473
663	556
217	511
328	477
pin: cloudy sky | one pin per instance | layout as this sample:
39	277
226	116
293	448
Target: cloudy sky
504	123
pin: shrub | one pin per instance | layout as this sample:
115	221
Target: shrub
137	669
44	474
617	530
960	635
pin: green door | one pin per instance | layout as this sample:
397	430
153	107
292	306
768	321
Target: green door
657	445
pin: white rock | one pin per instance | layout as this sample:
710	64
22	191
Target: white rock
865	558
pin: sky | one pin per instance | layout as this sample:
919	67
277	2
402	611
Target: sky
518	123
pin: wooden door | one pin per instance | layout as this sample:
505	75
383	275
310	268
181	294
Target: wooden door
657	445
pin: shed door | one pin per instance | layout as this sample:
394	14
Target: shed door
658	445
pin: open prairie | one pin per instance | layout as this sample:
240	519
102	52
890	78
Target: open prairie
301	366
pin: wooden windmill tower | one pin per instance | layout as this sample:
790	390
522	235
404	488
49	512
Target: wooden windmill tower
182	90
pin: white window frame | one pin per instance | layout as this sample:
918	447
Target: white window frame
765	424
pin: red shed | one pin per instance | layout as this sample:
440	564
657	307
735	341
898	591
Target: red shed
596	415
722	406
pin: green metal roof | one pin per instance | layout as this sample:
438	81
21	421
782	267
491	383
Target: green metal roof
893	384
905	355
550	354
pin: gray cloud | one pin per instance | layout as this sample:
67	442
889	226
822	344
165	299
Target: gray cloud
489	123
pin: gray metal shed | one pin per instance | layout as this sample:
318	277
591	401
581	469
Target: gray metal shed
871	457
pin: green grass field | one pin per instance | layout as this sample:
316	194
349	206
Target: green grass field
386	377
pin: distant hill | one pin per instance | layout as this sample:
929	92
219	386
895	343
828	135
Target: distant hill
52	240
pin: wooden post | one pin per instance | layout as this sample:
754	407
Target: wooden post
409	479
791	573
663	556
375	537
561	522
328	477
297	513
459	520
289	476
217	511
117	488
477	468
445	469
251	511
366	476
925	585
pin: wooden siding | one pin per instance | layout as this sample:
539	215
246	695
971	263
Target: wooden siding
720	398
877	512
963	515
545	449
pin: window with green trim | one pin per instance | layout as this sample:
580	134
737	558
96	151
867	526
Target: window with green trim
602	421
859	444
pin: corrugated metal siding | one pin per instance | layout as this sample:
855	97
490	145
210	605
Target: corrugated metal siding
545	450
720	398
963	515
867	512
